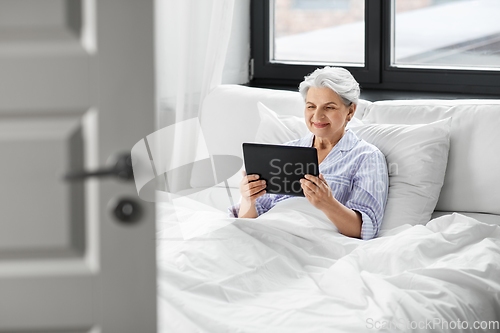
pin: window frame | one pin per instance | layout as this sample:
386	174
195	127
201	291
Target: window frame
377	72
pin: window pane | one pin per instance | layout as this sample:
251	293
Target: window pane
318	31
462	34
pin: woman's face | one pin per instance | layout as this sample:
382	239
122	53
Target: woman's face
325	113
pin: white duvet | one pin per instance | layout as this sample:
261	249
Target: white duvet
291	271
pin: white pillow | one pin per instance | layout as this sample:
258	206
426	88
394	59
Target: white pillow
416	157
273	129
278	129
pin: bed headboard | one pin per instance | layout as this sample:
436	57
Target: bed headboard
230	117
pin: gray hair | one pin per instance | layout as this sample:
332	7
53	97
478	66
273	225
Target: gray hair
338	79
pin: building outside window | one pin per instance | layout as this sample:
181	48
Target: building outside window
433	45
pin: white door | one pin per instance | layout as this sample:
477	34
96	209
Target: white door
76	87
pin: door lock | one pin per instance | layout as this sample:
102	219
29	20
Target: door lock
126	210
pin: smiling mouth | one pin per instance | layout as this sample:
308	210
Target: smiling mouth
320	125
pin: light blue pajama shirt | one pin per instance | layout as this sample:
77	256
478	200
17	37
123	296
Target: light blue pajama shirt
356	171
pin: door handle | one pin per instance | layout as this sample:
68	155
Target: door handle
121	169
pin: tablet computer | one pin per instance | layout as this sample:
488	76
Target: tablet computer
281	166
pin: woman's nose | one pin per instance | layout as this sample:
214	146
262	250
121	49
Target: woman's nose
319	113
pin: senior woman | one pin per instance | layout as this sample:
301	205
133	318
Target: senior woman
352	186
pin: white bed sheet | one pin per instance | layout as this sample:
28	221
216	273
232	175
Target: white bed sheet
485	218
291	271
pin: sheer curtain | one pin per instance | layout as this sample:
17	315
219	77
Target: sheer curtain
192	40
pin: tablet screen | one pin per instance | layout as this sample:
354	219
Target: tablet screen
281	166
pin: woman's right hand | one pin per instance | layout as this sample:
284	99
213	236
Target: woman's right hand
251	188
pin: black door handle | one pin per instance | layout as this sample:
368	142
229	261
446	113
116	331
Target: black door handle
122	169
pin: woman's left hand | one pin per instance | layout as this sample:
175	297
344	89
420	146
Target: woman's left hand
317	191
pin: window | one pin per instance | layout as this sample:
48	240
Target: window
425	45
447	34
320	4
302	26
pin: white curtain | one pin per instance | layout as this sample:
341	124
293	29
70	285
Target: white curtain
191	39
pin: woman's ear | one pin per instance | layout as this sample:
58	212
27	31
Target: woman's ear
352	109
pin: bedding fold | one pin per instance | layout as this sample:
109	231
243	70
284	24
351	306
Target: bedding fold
290	270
